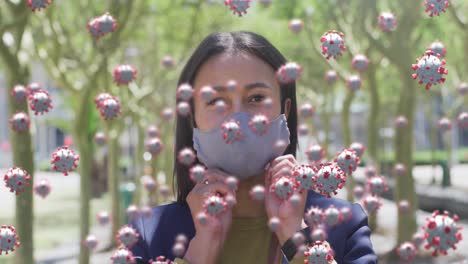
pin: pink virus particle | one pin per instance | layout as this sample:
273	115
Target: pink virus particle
358	192
9	240
318	234
230	200
259	124
100	26
429	69
178	249
406	251
167	113
331	77
20	122
220	106
132	212
403	206
122	256
332	216
289	73
354	83
257	193
370	171
444	124
266	3
231	131
91	242
127	236
358	147
462	88
238	7
360	62
38	4
401	122
318	253
333	44
372	204
149	183
302	130
33	88
40	102
346	213
16	179
329	179
435	7
462	120
438	48
274	223
42	188
418	239
68	141
19	93
207	93
183	109
304	175
314	217
103	218
152	131
232	85
167	62
64	160
184	92
197	173
268	103
186	156
154	146
296	25
100	138
283	187
306	110
146	211
110	108
101	98
347	160
164	191
298	239
181	238
124	74
160	260
387	21
442	232
315	153
214	205
377	185
232	182
399	170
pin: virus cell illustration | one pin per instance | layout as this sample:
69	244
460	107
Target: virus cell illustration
38	4
289	73
399	170
214	205
184	92
306	110
315	153
64	160
462	120
33	88
358	192
110	108
387	21
360	62
9	240
123	256
333	44
348	161
444	124
101	26
167	113
146	211
283	188
318	234
207	93
183	109
332	216
435	7
354	83
132	212
127	236
418	238
462	88
232	182
101	98
314	217
16	179
231	85
302	130
358	147
331	77
20	94
154	146
100	138
274	223
149	183
319	253
124	74
197	173
403	206
401	122
346	213
372	204
238	7
42	188
40	102
20	122
304	175
220	106
257	193
406	251
160	260
152	131
429	69
259	124
91	242
103	218
186	156
329	179
377	185
438	48
167	62
296	25
231	131
442	232
370	171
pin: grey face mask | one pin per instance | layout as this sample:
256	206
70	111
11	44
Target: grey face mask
246	156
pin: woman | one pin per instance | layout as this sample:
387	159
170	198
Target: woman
242	234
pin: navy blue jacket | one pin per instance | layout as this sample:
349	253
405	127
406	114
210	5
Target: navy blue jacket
350	241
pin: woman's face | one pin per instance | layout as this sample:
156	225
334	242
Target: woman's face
256	81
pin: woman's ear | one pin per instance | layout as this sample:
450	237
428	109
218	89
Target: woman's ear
287	107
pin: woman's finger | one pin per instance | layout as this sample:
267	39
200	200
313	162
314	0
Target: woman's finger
285	166
281	158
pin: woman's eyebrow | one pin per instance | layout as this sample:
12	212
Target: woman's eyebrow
220	88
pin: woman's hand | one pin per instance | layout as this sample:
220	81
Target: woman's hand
214	231
289	214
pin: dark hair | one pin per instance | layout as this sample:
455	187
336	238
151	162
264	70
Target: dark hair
214	44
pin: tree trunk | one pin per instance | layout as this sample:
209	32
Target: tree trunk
347	138
114	182
139	164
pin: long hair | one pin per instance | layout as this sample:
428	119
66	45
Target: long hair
214	44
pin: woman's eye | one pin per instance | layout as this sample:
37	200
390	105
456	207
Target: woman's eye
213	101
257	98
